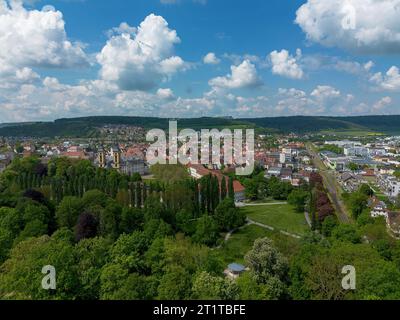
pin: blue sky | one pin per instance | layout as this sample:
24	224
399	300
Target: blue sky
189	58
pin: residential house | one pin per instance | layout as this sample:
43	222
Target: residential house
297	179
305	175
239	191
389	185
348	181
274	172
5	160
198	171
369	173
286	174
378	208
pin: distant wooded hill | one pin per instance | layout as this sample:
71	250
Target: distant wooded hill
86	127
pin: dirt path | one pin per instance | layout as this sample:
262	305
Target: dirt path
241	205
261	225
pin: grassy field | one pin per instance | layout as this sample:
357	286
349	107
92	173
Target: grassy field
241	242
282	217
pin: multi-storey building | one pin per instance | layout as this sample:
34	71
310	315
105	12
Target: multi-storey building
389	184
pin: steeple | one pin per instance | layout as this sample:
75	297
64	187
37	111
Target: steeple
101	157
116	154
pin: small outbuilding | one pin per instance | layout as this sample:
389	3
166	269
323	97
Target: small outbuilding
234	270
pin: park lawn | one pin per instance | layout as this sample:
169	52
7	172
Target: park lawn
281	216
241	242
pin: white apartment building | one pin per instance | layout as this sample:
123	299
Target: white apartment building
389	184
356	151
285	157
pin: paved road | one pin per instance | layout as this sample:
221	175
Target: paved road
329	182
229	234
242	204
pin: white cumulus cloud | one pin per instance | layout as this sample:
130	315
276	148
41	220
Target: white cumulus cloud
211	58
286	65
325	92
166	94
242	76
140	61
33	38
389	81
380	105
370	26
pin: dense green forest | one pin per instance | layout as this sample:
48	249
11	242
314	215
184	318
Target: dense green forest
110	236
84	127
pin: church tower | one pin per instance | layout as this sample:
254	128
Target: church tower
116	154
101	157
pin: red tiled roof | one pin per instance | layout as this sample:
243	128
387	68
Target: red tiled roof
77	154
238	187
369	173
200	169
134	151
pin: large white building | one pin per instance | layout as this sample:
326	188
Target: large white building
389	184
356	151
344	143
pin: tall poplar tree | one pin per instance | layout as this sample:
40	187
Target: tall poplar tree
231	191
223	188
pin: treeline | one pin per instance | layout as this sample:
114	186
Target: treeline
85	127
319	205
332	148
63	177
